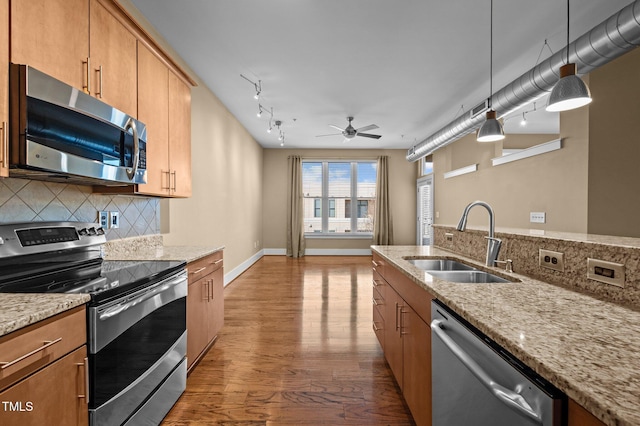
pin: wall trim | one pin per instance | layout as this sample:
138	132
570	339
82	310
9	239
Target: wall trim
238	270
320	252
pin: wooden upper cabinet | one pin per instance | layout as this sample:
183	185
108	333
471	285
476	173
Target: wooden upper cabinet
153	111
53	37
113	53
179	136
4	87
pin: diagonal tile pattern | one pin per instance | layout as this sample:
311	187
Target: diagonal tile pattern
24	200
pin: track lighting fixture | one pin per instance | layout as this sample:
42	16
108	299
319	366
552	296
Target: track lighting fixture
523	122
259	114
258	87
491	130
570	91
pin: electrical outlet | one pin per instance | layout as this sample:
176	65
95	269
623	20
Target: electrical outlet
551	259
114	219
448	236
605	272
103	219
537	217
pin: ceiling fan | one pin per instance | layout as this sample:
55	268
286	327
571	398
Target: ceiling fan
350	132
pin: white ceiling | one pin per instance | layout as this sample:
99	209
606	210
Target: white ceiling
406	65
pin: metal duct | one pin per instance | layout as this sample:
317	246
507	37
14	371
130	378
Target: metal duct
605	42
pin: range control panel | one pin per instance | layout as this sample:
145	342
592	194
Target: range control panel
38	237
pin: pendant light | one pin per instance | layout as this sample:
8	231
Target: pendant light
491	130
570	91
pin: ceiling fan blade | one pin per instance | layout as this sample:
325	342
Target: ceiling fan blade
336	127
330	134
365	128
369	135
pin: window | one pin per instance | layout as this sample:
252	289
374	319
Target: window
339	197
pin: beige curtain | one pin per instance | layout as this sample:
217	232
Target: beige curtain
382	222
295	219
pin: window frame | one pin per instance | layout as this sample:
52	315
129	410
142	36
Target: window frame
325	203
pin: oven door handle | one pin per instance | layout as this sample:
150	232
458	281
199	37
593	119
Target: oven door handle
510	398
151	292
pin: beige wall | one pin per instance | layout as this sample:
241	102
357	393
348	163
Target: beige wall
402	178
226	205
614	148
555	183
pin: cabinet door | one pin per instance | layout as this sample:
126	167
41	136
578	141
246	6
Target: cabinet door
54	395
578	416
216	303
153	111
4	87
112	50
180	136
197	313
53	37
392	336
416	340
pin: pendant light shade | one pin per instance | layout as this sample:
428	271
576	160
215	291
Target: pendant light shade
491	129
570	92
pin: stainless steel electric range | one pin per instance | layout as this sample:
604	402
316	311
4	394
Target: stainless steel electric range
136	319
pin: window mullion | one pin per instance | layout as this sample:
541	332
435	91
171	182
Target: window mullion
325	197
354	197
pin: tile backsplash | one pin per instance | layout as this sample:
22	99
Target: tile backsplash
23	200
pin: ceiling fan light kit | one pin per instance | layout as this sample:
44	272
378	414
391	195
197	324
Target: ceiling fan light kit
570	91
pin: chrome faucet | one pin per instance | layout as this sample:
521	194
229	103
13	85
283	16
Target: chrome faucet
493	244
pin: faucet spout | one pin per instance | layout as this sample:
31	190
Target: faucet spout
493	244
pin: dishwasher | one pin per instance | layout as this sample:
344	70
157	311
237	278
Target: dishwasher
477	382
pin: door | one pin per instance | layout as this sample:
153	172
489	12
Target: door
416	336
425	210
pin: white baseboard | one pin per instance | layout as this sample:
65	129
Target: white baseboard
238	270
321	252
235	272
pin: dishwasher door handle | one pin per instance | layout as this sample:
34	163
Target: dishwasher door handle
508	397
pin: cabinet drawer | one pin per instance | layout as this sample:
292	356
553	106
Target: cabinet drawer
380	284
204	266
379	265
31	348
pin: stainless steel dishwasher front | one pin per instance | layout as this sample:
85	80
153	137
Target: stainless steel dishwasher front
476	382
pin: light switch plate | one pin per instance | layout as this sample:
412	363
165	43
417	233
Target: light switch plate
606	272
114	219
537	217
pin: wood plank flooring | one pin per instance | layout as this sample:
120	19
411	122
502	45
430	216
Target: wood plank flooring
297	348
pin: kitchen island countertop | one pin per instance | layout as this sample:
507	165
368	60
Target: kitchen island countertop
586	347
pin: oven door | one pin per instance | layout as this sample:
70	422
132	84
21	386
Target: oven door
138	343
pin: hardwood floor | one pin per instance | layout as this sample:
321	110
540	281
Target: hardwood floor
297	348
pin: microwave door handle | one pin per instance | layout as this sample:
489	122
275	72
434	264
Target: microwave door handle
510	398
131	173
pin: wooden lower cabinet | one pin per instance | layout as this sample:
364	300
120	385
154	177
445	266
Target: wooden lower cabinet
407	338
578	416
205	305
53	395
44	376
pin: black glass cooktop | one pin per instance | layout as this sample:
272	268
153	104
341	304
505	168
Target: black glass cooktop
81	272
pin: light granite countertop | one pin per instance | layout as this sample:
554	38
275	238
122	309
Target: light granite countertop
151	247
584	346
23	309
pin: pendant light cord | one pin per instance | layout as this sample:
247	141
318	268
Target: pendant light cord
491	55
568	31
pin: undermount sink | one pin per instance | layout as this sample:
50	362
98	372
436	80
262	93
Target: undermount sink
440	265
470	276
454	271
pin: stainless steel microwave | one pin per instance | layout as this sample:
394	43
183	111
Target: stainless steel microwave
59	133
